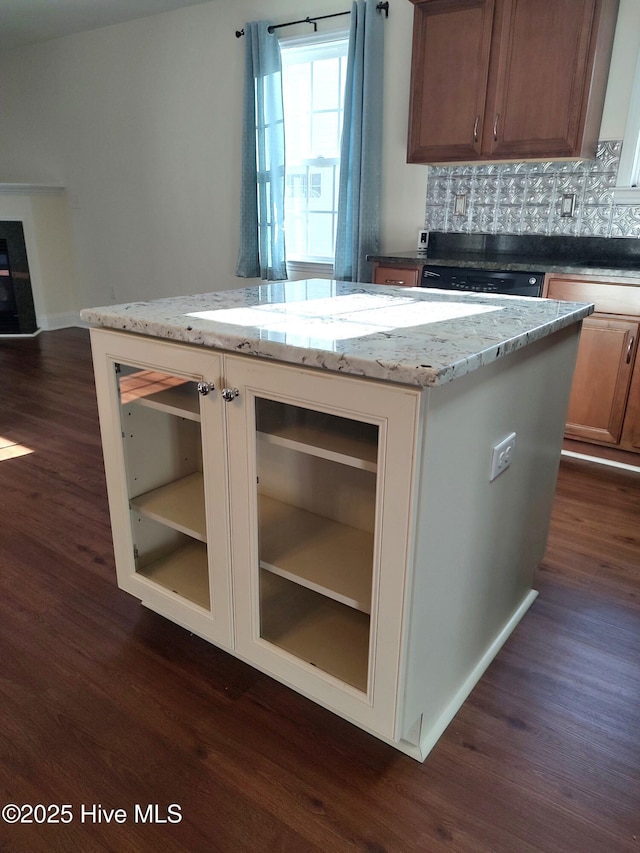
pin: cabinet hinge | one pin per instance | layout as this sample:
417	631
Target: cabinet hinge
117	367
135	553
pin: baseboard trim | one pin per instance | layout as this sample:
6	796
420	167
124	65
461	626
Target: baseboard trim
430	737
611	463
52	322
18	335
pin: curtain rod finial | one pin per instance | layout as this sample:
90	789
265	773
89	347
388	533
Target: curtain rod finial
239	33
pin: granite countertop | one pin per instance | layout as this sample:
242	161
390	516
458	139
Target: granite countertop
413	336
525	263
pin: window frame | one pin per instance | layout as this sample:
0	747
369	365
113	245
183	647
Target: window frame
627	189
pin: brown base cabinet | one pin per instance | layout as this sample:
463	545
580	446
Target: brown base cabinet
604	406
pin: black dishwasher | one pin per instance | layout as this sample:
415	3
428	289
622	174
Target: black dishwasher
509	283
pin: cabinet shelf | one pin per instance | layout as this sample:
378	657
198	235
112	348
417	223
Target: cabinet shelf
179	504
340	440
184	571
316	552
315	629
156	390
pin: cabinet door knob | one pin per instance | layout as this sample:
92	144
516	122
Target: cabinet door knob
229	394
205	387
495	128
630	350
475	129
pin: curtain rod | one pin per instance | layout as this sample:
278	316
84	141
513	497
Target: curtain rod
381	7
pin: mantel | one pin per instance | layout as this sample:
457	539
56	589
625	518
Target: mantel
31	189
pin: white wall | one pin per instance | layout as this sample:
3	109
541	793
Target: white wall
623	61
141	123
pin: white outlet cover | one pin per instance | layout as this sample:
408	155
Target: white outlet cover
502	456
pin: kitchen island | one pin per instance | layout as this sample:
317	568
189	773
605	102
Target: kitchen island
347	489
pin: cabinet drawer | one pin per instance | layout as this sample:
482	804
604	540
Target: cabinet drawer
400	276
608	298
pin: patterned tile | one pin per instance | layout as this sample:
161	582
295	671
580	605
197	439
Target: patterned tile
607	157
535	219
482	219
625	221
524	198
567	227
487	190
540	189
598	191
595	220
438	190
508	220
512	189
435	218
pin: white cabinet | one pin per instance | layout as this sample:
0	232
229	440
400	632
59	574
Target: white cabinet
304	477
338	533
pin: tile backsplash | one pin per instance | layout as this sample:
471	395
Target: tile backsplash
526	198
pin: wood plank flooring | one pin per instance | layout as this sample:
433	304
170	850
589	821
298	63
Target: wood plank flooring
103	703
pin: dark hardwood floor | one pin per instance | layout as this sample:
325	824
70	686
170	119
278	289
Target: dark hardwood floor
103	703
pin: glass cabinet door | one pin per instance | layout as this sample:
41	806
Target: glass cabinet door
161	436
166	476
321	470
316	499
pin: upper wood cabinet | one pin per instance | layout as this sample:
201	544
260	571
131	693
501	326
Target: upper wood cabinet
508	79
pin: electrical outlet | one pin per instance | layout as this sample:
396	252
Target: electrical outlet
460	204
567	204
502	455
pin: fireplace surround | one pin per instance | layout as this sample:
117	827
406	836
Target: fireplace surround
17	311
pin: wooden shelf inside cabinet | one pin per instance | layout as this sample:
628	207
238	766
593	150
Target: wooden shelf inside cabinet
184	571
179	505
350	443
156	390
315	629
315	552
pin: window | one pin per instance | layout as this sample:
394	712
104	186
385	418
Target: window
628	184
313	75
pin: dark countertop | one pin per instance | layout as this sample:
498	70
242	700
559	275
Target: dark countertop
617	257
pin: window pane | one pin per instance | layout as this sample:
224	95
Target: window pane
321	235
313	84
325	136
321	195
326	92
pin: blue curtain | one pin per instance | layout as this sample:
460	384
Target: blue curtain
262	248
358	223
